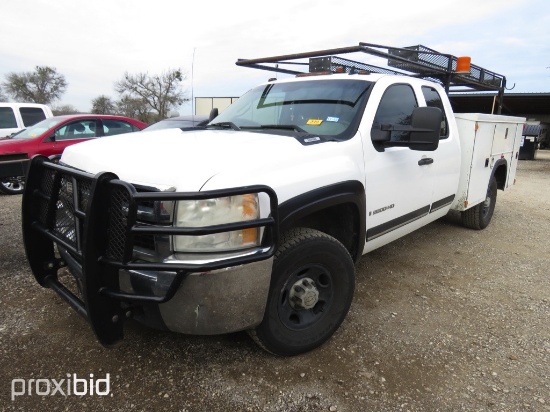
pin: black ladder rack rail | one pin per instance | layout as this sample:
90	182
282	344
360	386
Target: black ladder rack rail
417	61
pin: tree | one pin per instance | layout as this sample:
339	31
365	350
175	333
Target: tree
135	107
160	93
44	85
3	97
64	109
103	105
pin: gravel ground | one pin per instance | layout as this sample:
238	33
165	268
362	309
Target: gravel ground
446	318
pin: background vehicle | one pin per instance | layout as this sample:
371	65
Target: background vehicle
255	221
179	121
17	116
50	137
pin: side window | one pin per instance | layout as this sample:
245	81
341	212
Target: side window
433	99
112	127
395	109
82	129
31	115
7	118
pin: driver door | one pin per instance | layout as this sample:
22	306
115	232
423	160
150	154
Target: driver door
400	181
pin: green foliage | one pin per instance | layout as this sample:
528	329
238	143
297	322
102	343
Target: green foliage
3	97
45	85
103	105
64	109
136	108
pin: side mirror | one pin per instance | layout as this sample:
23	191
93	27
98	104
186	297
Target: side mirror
426	126
213	114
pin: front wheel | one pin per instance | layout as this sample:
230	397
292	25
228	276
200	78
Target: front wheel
311	290
12	186
479	216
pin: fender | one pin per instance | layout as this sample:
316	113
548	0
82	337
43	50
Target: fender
308	204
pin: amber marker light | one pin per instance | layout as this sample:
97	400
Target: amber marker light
463	65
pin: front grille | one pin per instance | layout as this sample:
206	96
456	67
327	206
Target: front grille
119	200
62	208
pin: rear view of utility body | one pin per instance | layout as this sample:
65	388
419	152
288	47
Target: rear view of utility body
254	222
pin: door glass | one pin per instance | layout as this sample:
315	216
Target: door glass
7	118
112	127
395	109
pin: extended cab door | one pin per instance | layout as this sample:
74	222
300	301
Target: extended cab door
403	189
446	159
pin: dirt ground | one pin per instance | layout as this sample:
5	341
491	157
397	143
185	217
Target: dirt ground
446	319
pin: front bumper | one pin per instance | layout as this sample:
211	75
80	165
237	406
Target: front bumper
90	223
13	165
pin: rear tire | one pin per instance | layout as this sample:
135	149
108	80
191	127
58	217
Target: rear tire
479	216
311	290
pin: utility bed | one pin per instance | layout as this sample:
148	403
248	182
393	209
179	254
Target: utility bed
485	140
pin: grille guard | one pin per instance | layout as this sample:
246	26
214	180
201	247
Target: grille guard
94	218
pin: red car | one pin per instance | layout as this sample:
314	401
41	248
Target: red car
50	137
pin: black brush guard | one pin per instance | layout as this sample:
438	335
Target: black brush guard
94	219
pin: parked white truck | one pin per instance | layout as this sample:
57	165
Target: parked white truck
254	221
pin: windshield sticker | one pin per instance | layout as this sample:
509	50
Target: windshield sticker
332	119
314	122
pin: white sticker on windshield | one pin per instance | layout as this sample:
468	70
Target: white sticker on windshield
332	119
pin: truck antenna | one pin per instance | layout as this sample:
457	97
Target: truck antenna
192	89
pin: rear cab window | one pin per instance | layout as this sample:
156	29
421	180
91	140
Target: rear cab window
31	115
433	99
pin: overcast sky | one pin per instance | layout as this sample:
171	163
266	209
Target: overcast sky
92	43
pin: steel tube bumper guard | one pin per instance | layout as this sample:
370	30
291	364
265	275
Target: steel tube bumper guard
94	219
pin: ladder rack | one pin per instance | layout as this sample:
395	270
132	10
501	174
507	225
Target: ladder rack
417	61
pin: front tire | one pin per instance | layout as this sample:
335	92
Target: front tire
12	186
479	216
311	290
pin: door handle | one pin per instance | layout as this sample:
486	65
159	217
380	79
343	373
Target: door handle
425	161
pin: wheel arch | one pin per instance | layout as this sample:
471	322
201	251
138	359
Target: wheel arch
338	210
500	170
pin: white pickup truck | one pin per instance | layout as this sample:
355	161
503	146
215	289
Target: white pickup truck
254	222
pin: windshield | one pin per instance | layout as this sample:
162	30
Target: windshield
320	107
38	128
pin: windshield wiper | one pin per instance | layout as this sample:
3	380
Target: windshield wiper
284	127
226	125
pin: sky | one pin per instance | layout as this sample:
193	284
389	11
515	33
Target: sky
93	43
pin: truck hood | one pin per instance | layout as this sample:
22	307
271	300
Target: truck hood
186	161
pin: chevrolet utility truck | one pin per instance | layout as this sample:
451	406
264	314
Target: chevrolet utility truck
255	221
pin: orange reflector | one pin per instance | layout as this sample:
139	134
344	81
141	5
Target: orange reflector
463	65
250	236
465	203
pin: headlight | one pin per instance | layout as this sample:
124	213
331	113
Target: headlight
209	212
